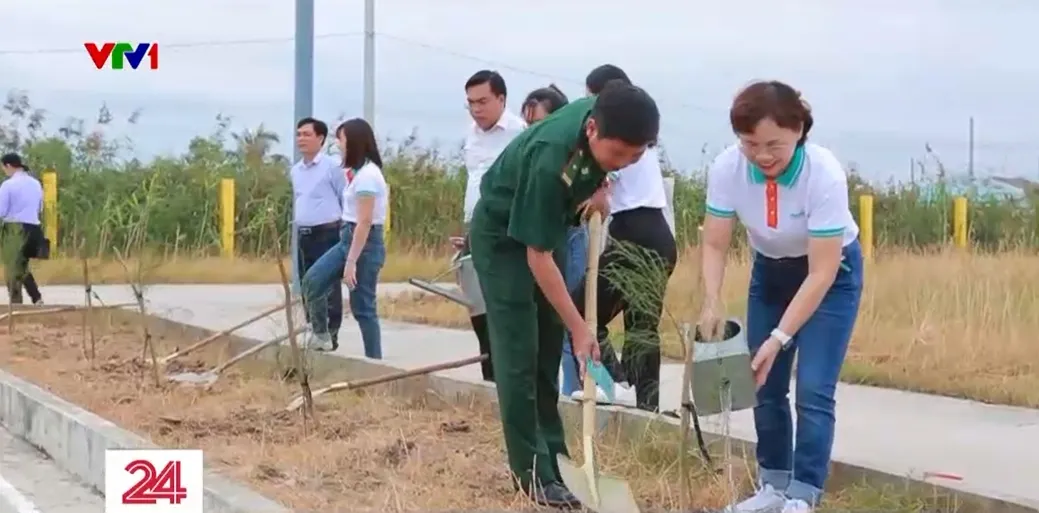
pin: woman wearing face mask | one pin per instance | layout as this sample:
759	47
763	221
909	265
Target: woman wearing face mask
361	251
542	102
805	284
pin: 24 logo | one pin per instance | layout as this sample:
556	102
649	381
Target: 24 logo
153	481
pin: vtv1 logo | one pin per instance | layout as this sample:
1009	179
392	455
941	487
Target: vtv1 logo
118	53
153	481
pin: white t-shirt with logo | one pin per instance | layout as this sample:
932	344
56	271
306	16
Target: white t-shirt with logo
810	199
638	185
367	181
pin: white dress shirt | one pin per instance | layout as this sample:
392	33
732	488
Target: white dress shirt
482	148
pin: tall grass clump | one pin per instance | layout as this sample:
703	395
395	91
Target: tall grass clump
104	195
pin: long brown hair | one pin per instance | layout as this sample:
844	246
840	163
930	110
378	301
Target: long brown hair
360	144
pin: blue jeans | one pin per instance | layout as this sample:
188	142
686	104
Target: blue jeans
312	244
800	467
576	265
323	277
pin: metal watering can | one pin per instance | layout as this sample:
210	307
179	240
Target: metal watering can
471	296
722	379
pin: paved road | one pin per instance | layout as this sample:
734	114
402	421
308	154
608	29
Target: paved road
32	483
992	447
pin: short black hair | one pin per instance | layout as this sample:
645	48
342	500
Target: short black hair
599	77
360	144
486	76
551	97
628	113
320	128
11	159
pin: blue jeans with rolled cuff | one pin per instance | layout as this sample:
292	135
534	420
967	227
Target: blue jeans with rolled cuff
325	275
576	266
799	466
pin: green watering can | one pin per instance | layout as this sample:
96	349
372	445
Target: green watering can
722	379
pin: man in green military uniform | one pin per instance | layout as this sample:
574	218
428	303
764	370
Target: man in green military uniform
528	198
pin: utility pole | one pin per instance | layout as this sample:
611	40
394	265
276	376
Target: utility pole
304	106
304	81
369	62
970	157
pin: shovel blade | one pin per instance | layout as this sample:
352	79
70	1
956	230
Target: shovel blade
206	378
614	494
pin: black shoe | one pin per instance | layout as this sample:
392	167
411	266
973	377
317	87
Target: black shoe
555	495
335	342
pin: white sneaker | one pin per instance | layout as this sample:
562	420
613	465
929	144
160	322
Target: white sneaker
624	395
766	500
318	342
796	506
600	396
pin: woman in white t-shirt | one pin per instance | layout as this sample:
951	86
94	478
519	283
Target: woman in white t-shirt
361	252
805	285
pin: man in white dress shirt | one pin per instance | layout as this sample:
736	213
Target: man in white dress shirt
493	128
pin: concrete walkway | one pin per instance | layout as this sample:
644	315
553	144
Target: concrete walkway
992	447
32	483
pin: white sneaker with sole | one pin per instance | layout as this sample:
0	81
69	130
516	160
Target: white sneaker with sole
318	342
766	500
796	506
624	395
600	396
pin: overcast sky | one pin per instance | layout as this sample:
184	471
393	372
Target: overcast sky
884	77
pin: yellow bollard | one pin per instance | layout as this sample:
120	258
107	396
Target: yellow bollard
50	208
386	225
866	225
959	222
227	217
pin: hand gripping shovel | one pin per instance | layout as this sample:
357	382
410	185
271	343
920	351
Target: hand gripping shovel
599	493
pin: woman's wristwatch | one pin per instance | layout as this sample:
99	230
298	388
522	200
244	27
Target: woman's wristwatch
782	337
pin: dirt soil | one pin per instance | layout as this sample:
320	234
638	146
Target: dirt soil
371	451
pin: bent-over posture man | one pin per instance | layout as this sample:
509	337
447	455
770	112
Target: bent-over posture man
21	200
528	199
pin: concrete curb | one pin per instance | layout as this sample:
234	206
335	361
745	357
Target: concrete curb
76	439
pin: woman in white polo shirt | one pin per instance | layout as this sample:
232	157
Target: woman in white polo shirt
361	251
805	285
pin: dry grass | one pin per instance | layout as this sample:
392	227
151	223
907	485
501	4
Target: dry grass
64	271
372	452
954	324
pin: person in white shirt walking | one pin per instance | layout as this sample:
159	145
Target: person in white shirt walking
317	189
493	128
21	200
361	251
805	284
637	219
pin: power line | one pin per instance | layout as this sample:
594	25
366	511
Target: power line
194	44
504	65
393	37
